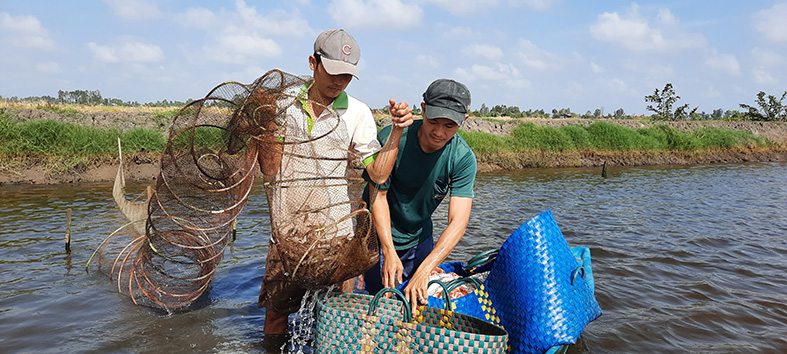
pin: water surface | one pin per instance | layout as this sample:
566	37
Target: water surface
685	259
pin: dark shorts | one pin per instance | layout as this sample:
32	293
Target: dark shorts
411	259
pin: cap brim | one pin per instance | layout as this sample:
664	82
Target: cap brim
440	112
338	67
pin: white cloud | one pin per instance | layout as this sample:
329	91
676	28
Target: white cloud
596	68
483	51
763	77
767	57
636	33
536	4
48	67
248	34
426	61
375	14
24	31
536	58
666	17
196	18
772	24
273	23
134	10
129	51
464	7
724	62
499	72
469	7
237	46
277	22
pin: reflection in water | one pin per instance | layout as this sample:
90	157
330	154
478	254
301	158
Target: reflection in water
685	259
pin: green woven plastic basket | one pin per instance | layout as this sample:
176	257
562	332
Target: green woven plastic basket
355	323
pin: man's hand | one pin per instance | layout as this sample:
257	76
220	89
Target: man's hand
401	114
415	292
392	270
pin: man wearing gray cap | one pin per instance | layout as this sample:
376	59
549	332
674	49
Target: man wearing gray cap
312	123
433	161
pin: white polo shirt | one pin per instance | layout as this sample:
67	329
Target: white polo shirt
311	193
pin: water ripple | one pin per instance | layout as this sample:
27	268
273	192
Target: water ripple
686	259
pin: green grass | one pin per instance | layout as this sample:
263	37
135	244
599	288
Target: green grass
51	138
69	144
485	143
605	136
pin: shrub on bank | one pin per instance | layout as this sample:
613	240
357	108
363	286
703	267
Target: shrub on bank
603	136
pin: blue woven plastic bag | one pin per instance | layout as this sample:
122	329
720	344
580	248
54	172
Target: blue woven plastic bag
542	292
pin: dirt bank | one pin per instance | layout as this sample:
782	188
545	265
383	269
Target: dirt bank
144	166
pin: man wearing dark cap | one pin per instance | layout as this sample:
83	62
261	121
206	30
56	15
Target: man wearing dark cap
433	162
311	126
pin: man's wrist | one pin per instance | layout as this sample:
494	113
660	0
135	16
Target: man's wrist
389	252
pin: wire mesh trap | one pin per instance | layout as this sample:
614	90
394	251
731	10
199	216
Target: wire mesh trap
217	145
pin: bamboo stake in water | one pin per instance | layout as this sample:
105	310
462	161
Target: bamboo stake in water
68	231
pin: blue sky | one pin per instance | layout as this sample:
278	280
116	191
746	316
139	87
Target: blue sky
535	54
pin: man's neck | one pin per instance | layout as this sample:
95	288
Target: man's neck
314	95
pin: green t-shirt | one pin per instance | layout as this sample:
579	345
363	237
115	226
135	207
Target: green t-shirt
420	181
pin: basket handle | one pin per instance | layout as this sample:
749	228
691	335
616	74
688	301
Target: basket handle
458	282
481	259
575	272
445	292
408	317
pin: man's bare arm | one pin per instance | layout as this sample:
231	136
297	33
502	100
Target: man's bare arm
458	217
401	116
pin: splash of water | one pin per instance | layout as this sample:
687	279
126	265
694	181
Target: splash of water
302	325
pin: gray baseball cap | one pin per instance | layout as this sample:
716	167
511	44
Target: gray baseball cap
338	51
445	98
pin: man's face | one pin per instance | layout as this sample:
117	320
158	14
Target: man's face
326	84
435	132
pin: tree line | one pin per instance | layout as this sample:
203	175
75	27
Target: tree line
662	104
93	98
766	108
515	112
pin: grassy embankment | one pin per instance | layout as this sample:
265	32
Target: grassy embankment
64	147
531	145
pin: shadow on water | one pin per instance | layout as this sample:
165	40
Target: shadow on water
686	259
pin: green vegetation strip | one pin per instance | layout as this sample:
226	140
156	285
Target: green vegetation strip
603	136
49	138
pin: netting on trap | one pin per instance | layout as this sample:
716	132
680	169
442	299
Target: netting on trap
319	222
216	145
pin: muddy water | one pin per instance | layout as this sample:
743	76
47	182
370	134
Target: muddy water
688	259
